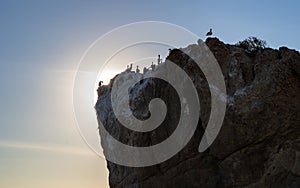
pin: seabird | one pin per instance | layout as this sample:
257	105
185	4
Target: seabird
100	83
209	33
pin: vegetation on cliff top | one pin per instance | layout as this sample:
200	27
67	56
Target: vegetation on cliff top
252	44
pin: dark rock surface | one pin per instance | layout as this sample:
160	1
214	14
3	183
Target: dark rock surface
259	143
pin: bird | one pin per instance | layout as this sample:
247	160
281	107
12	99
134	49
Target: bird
209	33
100	83
137	69
159	60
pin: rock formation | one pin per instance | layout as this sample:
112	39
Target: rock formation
259	143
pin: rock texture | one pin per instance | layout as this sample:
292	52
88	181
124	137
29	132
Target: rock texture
259	143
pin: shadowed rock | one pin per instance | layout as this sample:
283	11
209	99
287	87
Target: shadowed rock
258	145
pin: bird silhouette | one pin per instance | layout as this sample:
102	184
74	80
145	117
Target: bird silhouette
209	33
137	69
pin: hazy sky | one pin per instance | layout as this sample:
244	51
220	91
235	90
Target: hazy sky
41	45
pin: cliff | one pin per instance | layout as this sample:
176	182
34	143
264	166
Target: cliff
259	142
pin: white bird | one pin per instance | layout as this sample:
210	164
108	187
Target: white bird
209	33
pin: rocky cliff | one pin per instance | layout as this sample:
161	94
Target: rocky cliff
259	143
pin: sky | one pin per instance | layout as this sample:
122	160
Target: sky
41	43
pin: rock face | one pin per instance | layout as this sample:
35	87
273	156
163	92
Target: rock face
259	143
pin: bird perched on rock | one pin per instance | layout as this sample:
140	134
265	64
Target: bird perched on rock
129	68
137	69
100	83
145	70
159	60
209	33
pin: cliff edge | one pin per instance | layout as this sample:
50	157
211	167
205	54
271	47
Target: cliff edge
259	142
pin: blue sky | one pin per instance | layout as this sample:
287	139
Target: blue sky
41	43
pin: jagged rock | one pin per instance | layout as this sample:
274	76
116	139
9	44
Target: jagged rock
259	143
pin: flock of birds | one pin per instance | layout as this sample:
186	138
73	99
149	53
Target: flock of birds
152	67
